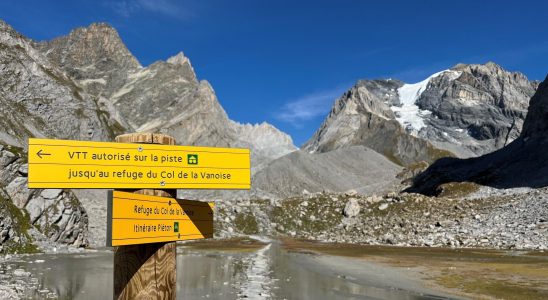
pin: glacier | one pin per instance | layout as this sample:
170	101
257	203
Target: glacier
410	116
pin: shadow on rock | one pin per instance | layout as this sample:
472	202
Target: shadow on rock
522	163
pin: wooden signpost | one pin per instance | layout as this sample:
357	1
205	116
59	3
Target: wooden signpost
144	218
139	219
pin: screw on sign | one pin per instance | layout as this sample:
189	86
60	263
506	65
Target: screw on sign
144	219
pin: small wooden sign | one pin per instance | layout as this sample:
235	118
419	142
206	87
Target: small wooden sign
141	219
102	165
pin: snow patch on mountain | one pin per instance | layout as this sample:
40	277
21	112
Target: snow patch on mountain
410	116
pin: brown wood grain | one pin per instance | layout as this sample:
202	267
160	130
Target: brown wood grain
146	138
147	271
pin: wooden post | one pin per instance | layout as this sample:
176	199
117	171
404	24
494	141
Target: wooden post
147	271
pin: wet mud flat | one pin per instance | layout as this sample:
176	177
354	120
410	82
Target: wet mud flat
468	273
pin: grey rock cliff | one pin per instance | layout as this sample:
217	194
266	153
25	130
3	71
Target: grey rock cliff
95	56
519	164
164	97
38	100
479	111
362	116
468	110
52	215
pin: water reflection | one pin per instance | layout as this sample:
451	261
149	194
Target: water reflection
70	276
269	273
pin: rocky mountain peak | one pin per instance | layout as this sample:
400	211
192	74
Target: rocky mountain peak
468	110
9	36
182	63
265	136
94	56
90	45
499	168
178	59
492	69
5	27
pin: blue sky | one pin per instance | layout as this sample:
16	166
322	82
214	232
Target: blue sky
285	62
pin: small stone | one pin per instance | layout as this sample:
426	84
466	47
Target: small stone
352	208
351	193
51	193
383	206
24	169
21	273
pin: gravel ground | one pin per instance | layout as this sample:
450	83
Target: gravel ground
503	219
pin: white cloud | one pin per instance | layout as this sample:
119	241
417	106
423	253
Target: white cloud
170	8
309	106
123	8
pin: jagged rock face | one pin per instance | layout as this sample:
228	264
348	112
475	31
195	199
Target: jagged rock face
56	215
38	100
94	56
519	164
164	97
480	110
156	94
14	235
362	116
468	110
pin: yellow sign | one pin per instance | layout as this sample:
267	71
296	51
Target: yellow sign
79	164
141	219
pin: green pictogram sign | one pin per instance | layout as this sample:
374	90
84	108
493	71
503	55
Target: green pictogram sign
176	226
192	159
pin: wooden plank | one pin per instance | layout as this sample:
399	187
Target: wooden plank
147	271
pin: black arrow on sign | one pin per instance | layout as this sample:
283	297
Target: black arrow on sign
40	153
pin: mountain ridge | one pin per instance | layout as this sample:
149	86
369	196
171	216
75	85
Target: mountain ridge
88	86
445	112
499	169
